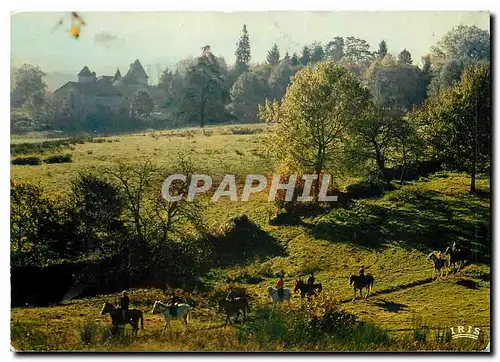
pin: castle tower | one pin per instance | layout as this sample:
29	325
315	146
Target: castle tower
117	79
136	75
85	76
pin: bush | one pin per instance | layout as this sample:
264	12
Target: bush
318	324
34	161
59	159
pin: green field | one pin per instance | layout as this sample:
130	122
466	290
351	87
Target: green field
406	221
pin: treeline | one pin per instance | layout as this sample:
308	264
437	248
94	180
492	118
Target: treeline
207	89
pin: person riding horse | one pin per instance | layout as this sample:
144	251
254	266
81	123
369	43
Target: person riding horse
362	271
310	280
231	294
279	286
124	303
172	304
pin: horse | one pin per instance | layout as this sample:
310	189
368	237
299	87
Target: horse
440	265
359	282
306	289
236	306
273	294
134	315
182	312
458	256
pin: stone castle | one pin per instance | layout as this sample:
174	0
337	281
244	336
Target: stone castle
111	92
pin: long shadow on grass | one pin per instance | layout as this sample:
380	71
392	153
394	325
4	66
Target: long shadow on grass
419	219
389	306
396	288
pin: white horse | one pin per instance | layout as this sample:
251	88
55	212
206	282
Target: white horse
182	312
273	294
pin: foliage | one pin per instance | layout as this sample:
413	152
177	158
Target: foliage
28	87
32	160
310	325
280	78
249	90
457	122
462	47
396	86
305	56
141	104
357	51
204	94
59	159
335	49
97	209
382	49
317	52
404	57
242	53
273	56
41	229
312	119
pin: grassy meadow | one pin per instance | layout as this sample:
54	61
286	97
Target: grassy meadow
389	235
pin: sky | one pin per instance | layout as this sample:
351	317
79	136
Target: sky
112	40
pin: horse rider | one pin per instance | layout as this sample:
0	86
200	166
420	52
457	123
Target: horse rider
362	271
310	280
172	304
279	286
231	295
124	303
441	255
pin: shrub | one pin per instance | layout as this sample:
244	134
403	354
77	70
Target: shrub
59	159
317	324
33	160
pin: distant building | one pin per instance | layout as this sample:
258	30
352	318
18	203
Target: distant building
111	92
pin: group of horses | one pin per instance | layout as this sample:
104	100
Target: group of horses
454	255
239	306
134	316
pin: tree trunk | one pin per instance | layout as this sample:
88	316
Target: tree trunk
403	171
317	171
381	167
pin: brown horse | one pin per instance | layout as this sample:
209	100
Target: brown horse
236	306
359	282
458	256
307	289
133	317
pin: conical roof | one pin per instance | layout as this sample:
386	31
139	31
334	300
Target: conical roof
85	71
136	70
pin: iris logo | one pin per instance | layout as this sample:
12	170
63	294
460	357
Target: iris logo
465	332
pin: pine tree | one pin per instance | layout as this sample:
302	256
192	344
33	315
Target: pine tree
306	55
243	52
405	57
382	49
273	56
295	59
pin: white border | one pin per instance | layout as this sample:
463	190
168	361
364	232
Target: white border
215	5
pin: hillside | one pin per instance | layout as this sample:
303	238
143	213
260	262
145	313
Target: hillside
390	235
